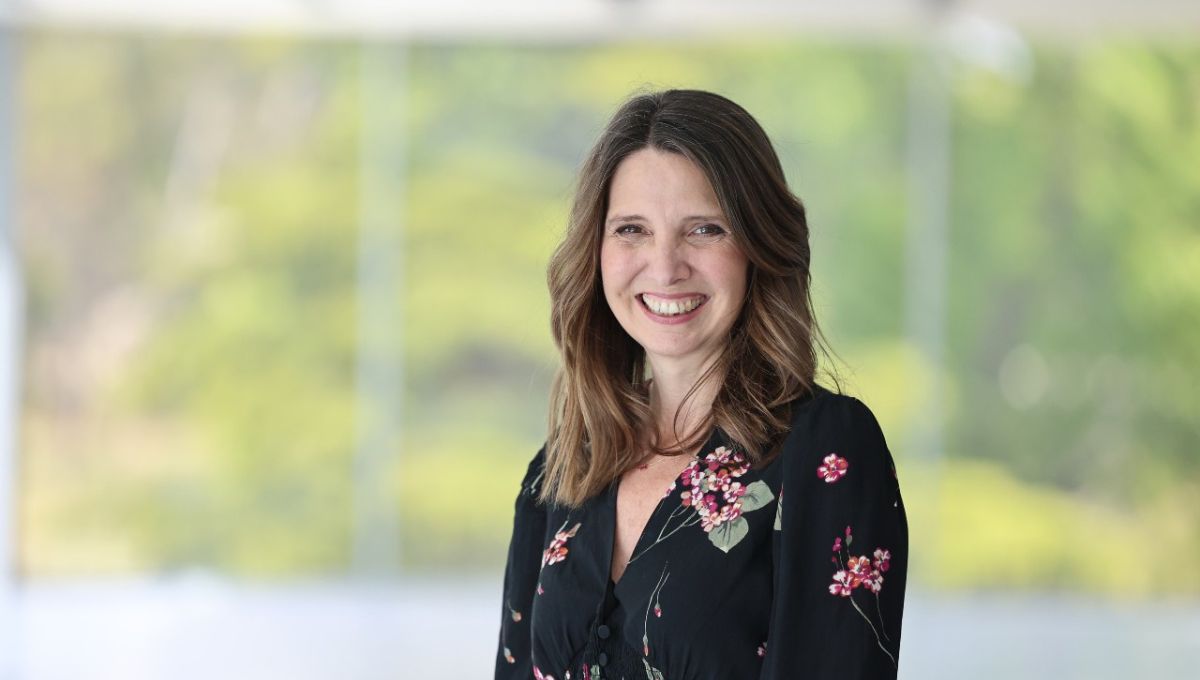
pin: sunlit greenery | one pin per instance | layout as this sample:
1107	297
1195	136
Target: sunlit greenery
188	216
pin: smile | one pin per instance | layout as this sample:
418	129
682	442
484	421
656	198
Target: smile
676	307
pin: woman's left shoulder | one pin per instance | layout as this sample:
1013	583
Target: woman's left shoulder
830	425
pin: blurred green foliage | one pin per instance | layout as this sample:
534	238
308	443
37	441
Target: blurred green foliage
188	224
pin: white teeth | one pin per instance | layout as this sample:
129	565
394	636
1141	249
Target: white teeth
671	307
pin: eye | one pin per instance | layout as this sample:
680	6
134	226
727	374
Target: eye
627	230
709	230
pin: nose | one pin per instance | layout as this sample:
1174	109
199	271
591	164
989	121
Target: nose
668	263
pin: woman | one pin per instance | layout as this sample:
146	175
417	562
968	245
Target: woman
652	538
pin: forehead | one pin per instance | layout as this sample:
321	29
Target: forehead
662	182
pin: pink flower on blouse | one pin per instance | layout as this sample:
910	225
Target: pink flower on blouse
833	469
873	581
841	584
883	559
859	567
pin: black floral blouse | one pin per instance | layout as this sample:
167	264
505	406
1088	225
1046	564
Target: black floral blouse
793	571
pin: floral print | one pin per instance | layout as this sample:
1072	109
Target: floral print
706	506
841	584
711	477
654	599
714	480
861	571
833	468
716	499
670	490
858	567
516	617
873	582
652	673
779	511
557	551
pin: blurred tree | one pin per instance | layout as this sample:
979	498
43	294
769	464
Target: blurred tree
191	254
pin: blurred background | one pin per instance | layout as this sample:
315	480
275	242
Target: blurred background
274	340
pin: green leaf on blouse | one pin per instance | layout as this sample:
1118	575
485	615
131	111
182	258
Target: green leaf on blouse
757	495
729	534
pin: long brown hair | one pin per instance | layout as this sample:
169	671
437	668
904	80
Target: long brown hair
600	422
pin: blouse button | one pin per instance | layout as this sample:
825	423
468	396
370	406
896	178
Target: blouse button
603	659
603	632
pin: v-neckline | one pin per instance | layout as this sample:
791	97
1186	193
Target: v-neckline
611	515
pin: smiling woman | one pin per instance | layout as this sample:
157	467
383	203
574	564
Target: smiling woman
687	401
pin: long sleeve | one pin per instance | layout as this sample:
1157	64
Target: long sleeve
513	659
840	549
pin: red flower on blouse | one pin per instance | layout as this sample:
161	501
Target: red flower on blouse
873	581
841	584
859	568
883	559
833	469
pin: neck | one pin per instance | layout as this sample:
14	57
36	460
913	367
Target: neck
669	390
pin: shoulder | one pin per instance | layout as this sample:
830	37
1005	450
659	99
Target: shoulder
538	463
829	428
824	409
531	483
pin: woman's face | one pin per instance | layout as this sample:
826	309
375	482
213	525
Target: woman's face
672	273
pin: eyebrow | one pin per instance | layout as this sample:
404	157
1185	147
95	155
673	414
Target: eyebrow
689	218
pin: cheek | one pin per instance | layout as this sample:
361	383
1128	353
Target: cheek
609	277
606	269
733	270
613	270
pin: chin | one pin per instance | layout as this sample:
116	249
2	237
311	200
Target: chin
676	352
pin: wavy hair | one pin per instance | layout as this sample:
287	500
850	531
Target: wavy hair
600	420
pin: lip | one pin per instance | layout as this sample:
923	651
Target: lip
672	296
672	320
